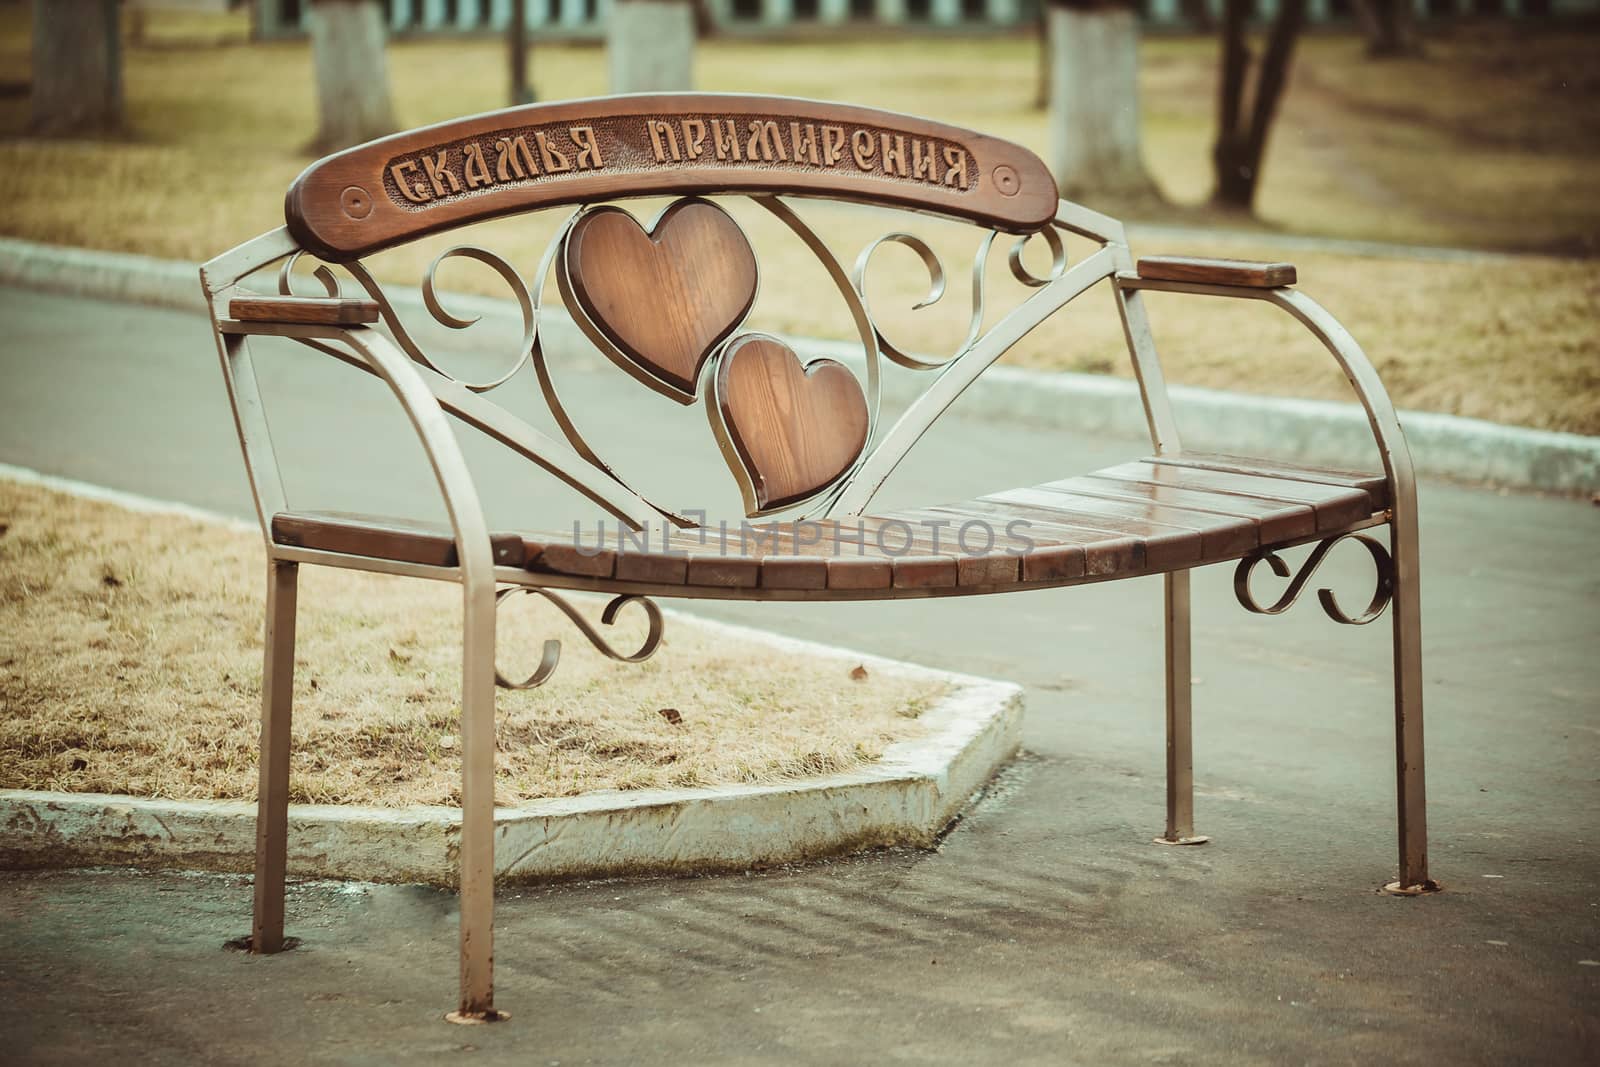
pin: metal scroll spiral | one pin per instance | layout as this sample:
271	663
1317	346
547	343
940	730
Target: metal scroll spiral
1330	604
330	281
936	284
527	302
552	648
530	349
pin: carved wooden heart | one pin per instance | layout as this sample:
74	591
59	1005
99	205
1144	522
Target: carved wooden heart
660	301
787	431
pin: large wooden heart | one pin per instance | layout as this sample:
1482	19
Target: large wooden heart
660	302
787	431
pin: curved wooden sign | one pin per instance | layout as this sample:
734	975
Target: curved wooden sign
399	188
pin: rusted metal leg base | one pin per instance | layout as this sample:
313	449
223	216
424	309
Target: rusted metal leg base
247	944
473	1018
1198	839
1395	889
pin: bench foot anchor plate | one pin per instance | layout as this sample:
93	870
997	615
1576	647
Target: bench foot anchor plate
1395	889
1198	839
247	944
475	1018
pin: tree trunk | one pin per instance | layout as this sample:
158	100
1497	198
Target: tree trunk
651	45
1095	147
1041	89
352	70
1241	134
77	67
517	40
1389	27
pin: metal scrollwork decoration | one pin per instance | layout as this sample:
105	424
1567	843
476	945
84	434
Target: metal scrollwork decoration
529	352
1330	604
936	284
1058	258
330	281
527	302
936	290
552	648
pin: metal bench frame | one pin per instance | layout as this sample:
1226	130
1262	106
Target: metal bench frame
346	329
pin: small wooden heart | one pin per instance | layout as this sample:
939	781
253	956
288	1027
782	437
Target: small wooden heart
787	431
659	303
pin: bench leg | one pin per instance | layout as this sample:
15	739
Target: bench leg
1411	789
477	811
1180	754
272	803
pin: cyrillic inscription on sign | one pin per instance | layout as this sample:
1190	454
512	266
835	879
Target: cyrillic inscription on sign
631	144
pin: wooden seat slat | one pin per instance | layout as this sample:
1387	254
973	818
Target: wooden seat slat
845	572
1156	545
999	564
923	537
1374	484
1277	520
379	537
916	561
733	572
1219	535
778	559
1056	553
840	569
1061	550
1335	508
706	566
653	568
546	554
925	572
795	572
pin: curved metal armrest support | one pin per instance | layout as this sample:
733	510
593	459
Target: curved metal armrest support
444	456
297	317
475	566
1352	360
380	355
1404	580
482	415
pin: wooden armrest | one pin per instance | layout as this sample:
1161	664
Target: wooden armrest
308	310
1217	271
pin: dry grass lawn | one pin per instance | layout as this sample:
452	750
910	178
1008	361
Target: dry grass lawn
131	663
1491	142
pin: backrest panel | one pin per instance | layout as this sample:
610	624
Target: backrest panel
399	188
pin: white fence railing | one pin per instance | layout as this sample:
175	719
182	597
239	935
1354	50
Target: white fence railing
586	18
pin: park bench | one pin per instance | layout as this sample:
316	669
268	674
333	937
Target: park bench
666	301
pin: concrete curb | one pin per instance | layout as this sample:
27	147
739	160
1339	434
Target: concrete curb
907	798
1308	431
